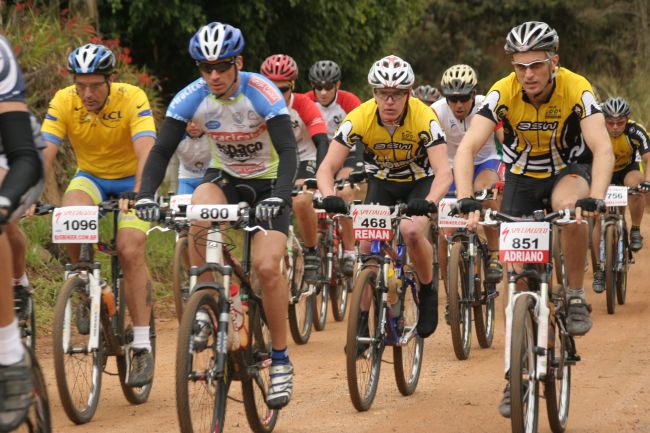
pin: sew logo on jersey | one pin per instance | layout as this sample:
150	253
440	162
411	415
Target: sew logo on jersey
213	124
393	146
537	126
265	89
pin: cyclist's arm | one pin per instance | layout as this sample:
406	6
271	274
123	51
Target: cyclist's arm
639	137
475	138
322	143
336	155
170	135
596	136
49	153
142	147
284	142
440	164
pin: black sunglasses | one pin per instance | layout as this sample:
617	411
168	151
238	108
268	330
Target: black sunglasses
325	86
220	67
284	89
459	98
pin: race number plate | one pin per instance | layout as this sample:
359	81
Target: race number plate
371	222
526	242
616	196
213	212
180	200
75	225
444	219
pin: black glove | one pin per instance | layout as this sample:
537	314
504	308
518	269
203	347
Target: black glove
468	205
147	209
335	204
5	211
644	186
128	195
269	209
419	206
590	204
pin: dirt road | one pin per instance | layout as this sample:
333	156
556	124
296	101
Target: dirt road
610	391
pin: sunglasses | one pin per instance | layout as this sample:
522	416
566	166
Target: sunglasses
383	95
458	98
533	66
325	86
285	89
220	67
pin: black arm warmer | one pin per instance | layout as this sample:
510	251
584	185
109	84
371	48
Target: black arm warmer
358	152
322	144
25	167
170	135
285	145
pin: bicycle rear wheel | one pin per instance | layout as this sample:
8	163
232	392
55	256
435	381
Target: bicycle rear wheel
407	358
523	384
78	371
340	291
201	395
301	307
611	245
181	276
484	294
261	418
134	395
557	387
38	418
321	300
460	313
363	358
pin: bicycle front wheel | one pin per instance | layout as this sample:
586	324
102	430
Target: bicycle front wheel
557	387
181	276
611	245
201	391
301	307
460	313
523	384
364	342
407	356
484	294
261	418
78	370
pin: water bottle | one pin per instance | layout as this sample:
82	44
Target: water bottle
238	311
393	283
107	297
620	248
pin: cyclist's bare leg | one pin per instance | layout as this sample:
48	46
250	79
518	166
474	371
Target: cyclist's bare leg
138	291
75	198
6	292
418	247
306	216
18	245
565	194
347	194
206	193
486	179
268	251
635	202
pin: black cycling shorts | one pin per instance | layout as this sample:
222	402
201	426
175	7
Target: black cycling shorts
522	195
387	193
251	191
618	177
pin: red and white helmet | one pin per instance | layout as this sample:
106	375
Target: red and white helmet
391	72
280	67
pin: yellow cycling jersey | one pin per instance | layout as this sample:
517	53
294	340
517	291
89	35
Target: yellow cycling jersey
540	142
400	155
633	139
102	142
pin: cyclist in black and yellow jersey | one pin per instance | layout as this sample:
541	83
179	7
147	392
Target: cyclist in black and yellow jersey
556	147
628	138
404	147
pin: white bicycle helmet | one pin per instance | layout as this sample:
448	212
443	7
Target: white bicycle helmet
426	93
532	36
615	107
458	80
391	72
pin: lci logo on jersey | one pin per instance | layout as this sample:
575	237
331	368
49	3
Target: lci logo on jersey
213	124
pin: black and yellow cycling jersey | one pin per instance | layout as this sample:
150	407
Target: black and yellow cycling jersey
400	155
540	142
633	139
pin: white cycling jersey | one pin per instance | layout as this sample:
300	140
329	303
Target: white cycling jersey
455	130
306	121
194	156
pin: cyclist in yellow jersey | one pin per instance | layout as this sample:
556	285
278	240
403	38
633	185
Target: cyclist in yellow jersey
556	148
628	138
111	130
403	147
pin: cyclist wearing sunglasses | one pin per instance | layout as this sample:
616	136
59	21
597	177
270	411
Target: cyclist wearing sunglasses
253	160
335	104
111	129
556	148
310	131
403	147
456	110
627	138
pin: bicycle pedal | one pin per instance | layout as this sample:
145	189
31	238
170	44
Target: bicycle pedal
573	358
539	351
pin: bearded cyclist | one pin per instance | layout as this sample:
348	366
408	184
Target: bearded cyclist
404	172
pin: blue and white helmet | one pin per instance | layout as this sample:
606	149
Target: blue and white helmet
216	41
91	59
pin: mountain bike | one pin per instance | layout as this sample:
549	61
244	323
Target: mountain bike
223	335
89	325
538	348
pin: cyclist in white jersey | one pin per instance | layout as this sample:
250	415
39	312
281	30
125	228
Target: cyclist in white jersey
194	154
310	131
335	104
456	111
253	160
